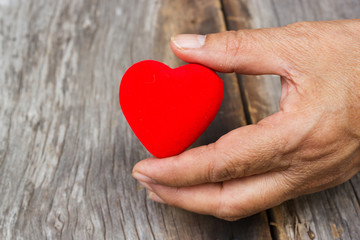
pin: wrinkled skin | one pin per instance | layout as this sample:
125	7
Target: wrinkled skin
311	144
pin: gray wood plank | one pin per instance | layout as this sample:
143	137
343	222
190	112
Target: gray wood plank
66	151
331	214
260	93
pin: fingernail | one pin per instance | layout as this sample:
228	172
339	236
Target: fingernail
153	196
189	41
142	178
146	185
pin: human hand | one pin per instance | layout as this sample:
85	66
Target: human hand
311	144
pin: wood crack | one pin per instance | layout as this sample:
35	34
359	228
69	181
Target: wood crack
123	218
134	221
147	217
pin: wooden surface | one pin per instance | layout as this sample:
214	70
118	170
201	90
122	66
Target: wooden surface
331	214
66	151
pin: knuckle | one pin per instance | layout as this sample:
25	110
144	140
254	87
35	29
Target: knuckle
226	173
230	169
221	169
298	46
279	146
211	166
229	210
225	211
300	27
233	41
303	37
235	44
230	219
176	199
293	183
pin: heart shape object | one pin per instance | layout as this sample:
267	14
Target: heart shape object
168	109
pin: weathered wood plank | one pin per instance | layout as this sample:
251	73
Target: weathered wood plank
66	151
261	93
331	214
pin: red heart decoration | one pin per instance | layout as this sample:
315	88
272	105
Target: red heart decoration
168	109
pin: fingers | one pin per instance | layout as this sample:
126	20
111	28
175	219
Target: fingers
243	152
244	51
231	200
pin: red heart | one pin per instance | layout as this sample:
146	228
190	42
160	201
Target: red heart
168	109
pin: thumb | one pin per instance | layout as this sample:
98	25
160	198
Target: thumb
245	51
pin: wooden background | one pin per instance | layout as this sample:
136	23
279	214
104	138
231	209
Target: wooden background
66	151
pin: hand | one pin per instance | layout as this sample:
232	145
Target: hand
311	144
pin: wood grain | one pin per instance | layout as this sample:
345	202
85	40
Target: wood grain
260	93
331	214
66	151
